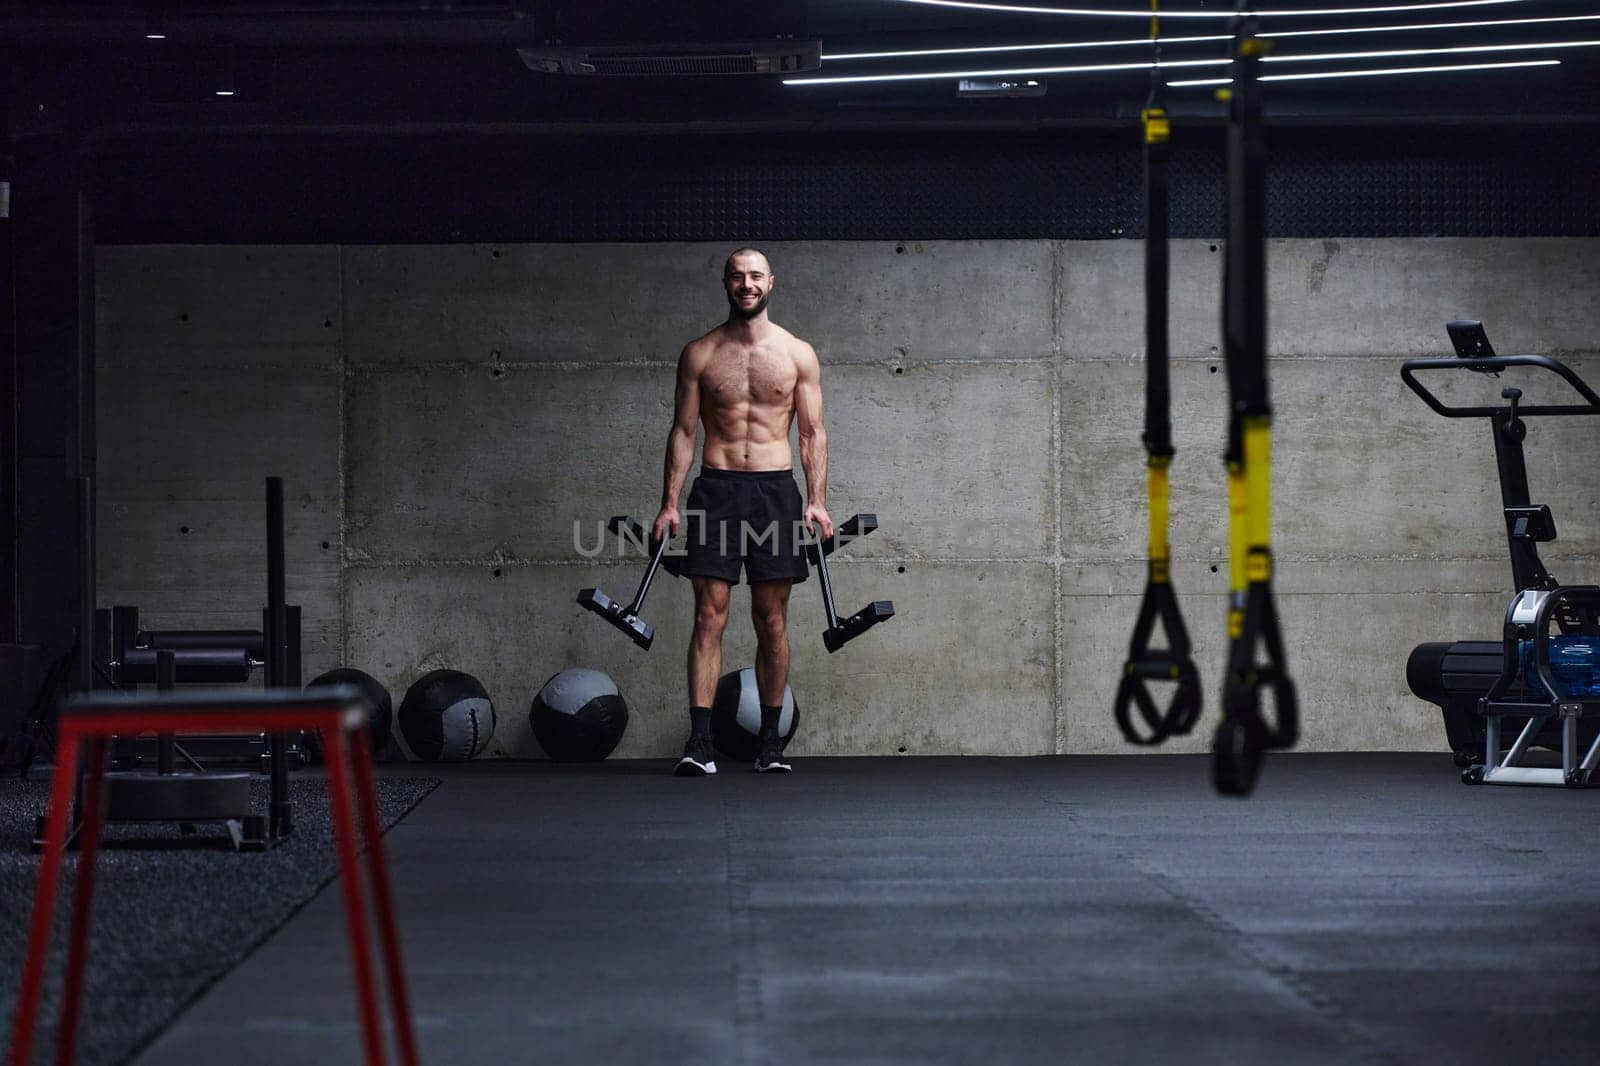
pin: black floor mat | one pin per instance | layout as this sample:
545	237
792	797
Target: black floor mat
171	915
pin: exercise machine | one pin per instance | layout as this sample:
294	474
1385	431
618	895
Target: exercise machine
1484	687
200	795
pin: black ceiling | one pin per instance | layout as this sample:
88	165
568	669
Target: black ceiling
317	66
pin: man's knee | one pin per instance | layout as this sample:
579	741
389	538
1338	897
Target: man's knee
772	624
710	618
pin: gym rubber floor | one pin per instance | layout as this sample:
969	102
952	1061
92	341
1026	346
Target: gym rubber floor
1358	908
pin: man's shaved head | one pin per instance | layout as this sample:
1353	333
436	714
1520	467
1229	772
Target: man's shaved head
727	267
747	279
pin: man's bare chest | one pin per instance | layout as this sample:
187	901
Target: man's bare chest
755	375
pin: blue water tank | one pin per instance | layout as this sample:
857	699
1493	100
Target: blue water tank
1574	664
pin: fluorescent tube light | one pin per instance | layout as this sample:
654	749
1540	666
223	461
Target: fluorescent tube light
1371	73
1434	26
1045	46
1088	68
1392	53
1085	68
1024	9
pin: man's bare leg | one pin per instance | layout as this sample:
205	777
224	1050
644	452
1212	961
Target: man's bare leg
769	611
711	598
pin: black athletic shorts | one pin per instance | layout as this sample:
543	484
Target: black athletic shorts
745	517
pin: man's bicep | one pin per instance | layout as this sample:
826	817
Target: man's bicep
808	390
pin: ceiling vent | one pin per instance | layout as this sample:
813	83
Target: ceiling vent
730	57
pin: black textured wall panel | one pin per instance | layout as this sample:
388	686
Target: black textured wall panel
1064	183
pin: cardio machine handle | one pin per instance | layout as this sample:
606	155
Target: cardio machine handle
1493	364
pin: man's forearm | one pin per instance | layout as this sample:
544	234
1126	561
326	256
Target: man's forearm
680	455
814	461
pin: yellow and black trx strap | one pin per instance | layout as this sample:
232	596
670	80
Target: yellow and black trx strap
1152	725
1255	646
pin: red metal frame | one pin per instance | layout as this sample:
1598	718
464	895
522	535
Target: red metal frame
349	765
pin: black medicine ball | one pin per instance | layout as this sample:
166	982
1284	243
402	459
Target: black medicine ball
579	716
446	717
736	716
380	717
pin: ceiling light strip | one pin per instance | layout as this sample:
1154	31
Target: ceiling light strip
1041	47
1480	24
1317	75
1093	68
1395	53
1044	46
1086	68
1324	12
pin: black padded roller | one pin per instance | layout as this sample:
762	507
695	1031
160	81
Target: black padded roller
251	640
192	666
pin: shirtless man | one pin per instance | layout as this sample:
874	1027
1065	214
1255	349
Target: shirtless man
747	380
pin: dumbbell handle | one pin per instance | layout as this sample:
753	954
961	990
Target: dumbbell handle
627	528
852	528
649	576
819	558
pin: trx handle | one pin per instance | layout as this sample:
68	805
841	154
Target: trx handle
1172	664
1153	724
1256	659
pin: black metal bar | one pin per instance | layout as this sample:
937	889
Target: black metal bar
819	559
86	620
87	418
1527	569
292	649
86	605
275	629
649	576
46	305
102	640
166	681
124	625
279	816
9	450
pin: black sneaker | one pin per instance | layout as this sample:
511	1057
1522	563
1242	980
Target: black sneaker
697	760
771	759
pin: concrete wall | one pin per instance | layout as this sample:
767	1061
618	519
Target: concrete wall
444	415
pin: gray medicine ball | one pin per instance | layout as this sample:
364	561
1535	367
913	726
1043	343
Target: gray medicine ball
446	717
579	716
736	715
380	713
